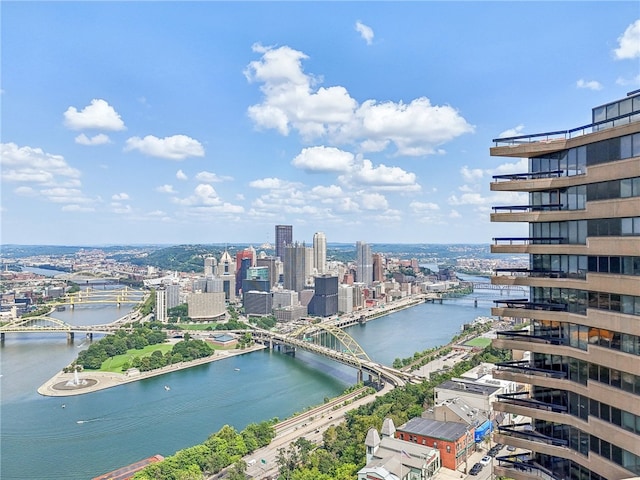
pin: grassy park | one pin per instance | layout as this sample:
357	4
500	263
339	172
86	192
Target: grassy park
114	364
481	342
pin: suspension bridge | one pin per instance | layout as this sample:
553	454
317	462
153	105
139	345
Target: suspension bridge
92	296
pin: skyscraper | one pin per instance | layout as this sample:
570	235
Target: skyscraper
319	252
284	236
583	282
378	267
294	266
364	263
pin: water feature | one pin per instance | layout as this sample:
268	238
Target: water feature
101	431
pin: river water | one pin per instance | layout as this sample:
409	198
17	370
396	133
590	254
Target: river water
42	440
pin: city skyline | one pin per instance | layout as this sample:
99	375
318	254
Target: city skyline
207	122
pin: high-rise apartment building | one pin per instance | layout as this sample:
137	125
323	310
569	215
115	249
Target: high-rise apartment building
583	305
320	252
364	263
161	305
284	236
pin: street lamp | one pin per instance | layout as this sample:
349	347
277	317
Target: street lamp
466	449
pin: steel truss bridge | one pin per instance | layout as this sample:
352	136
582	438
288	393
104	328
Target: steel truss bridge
92	296
334	343
46	324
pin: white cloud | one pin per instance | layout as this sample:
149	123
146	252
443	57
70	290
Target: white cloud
180	175
120	209
628	81
271	183
323	159
33	165
65	195
423	207
522	165
512	132
365	32
454	214
165	189
203	194
99	115
210	177
77	208
99	139
292	101
120	196
485	202
629	43
589	84
471	175
176	147
373	201
381	176
25	191
332	191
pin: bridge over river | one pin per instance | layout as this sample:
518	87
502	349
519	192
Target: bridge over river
332	342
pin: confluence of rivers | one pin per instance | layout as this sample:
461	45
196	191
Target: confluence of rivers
42	439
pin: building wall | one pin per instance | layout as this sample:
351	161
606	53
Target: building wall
452	453
205	306
284	237
589	181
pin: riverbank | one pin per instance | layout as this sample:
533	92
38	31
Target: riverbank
66	384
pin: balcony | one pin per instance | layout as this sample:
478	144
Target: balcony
523	336
526	368
535	273
522	399
526	432
521	466
525	304
548	207
528	175
529	240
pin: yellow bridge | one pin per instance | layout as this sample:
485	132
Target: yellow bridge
92	296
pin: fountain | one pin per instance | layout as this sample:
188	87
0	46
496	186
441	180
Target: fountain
76	381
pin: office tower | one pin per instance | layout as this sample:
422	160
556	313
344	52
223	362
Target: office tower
583	283
257	302
378	267
308	265
210	264
345	298
226	271
273	264
320	252
284	236
257	279
161	305
294	266
325	296
364	263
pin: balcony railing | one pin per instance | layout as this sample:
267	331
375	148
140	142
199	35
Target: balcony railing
546	207
524	431
513	399
566	134
529	240
524	303
525	368
524	462
535	273
529	175
521	336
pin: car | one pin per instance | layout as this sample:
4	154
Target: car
486	460
475	469
511	448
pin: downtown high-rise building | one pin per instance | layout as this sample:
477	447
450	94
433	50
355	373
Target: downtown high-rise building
294	266
579	414
284	237
320	253
364	263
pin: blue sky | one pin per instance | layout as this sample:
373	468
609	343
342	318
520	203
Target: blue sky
211	122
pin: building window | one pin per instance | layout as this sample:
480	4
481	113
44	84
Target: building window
448	448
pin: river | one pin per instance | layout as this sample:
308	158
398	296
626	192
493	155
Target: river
42	440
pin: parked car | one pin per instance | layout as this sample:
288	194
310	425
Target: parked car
511	448
475	469
486	460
